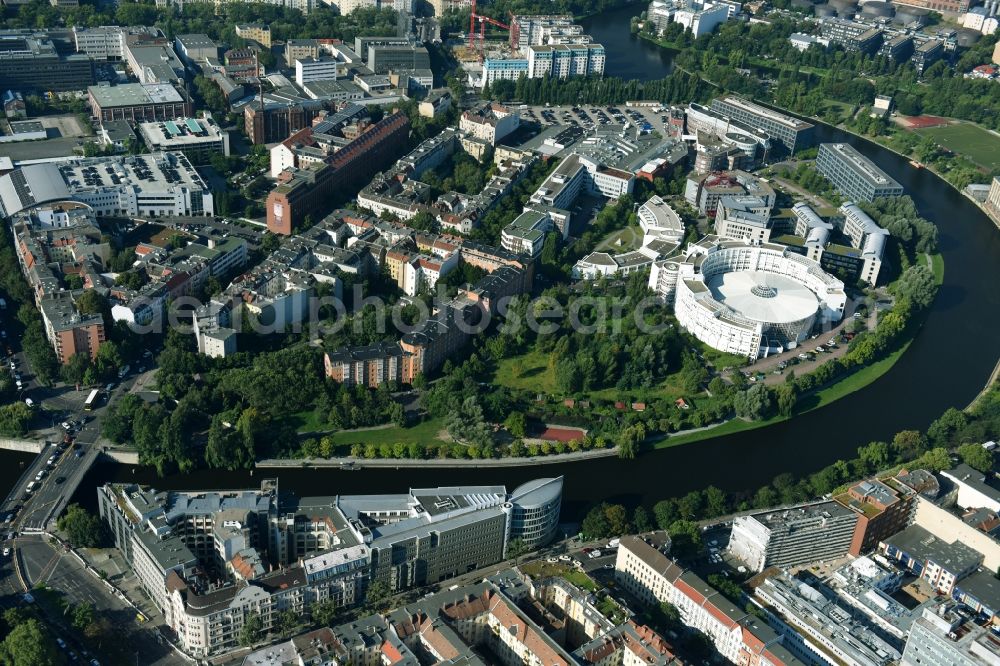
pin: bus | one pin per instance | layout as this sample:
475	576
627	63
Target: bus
91	399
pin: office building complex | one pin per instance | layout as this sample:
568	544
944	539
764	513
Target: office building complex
947	636
747	299
787	131
789	537
662	233
652	577
822	627
274	552
138	102
30	62
197	138
860	258
701	18
854	175
383	58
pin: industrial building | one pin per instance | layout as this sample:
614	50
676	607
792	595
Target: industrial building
138	102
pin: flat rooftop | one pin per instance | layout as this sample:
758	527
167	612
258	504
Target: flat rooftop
135	94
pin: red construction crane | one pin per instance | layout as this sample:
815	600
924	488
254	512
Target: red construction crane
483	20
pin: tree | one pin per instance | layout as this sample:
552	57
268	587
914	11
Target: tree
874	455
517	424
83	528
288	620
82	616
754	403
716	502
976	457
909	444
917	285
15	419
665	512
617	519
377	594
29	644
641	519
324	613
595	524
253	628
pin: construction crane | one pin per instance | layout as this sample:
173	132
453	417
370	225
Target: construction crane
483	20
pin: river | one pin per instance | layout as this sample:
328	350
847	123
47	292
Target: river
946	366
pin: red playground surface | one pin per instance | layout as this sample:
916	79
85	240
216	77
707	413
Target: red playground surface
919	122
561	434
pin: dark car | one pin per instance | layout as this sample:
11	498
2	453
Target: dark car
60	479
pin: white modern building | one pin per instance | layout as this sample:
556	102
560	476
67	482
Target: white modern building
701	18
747	299
317	69
662	230
197	138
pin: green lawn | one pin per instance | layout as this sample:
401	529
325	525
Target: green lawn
542	569
529	372
309	421
423	432
972	141
630	237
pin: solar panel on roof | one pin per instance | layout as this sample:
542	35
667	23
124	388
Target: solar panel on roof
193	125
172	128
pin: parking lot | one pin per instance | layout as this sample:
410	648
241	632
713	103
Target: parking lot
590	117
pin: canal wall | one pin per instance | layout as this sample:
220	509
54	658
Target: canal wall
22	445
121	456
351	463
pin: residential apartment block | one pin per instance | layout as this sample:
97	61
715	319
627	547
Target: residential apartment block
645	572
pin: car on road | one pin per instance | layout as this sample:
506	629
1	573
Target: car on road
79	453
6	552
565	558
67	425
587	550
60	479
804	356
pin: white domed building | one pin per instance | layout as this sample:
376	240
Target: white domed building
748	299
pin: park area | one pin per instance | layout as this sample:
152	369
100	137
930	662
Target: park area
978	144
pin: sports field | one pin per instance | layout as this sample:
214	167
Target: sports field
972	141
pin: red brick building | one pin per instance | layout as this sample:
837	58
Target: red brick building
884	507
306	191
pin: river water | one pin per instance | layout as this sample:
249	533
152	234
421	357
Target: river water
947	364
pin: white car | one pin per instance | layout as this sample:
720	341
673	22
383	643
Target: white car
66	425
565	558
6	552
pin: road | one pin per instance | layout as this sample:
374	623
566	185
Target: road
65	575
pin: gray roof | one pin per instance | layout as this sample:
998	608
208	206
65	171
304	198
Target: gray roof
974	479
30	185
924	546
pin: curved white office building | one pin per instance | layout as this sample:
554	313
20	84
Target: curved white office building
743	299
534	511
